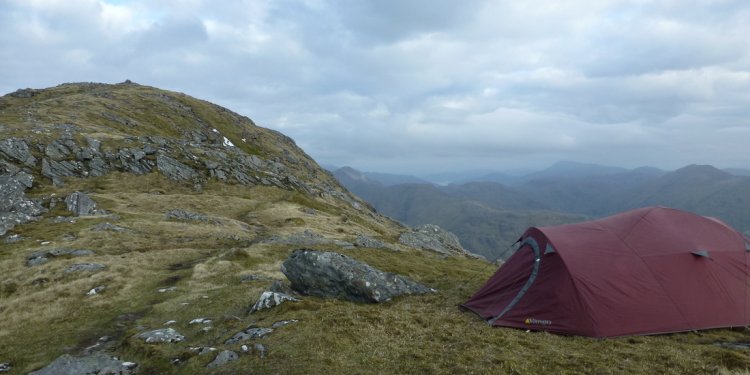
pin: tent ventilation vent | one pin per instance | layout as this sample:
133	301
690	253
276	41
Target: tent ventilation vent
701	253
747	246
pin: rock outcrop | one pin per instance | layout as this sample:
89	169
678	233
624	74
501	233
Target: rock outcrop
369	242
97	363
15	207
432	237
333	275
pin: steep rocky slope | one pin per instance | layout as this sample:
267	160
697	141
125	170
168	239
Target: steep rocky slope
145	231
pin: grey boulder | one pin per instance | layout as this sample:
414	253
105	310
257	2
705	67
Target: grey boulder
80	204
224	357
333	275
97	363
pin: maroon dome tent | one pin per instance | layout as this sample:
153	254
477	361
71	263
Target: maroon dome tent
647	271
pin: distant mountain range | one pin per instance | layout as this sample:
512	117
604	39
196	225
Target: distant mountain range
491	210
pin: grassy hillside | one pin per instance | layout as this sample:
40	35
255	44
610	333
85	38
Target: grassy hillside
160	269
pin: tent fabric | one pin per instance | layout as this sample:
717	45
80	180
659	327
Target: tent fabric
647	271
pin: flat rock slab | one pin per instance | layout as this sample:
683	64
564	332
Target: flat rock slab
333	275
247	334
307	238
167	335
187	216
85	267
97	363
40	257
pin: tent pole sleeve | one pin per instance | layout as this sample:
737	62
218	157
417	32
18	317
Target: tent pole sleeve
534	272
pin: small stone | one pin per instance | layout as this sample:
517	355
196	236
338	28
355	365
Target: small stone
5	367
201	350
260	349
161	335
247	334
248	278
168	289
270	299
109	227
129	365
282	323
96	290
200	321
13	238
244	348
170	322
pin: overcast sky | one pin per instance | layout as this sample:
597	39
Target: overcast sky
423	86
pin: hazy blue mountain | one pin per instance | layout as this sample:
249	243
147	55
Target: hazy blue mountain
446	178
486	215
702	189
571	169
738	171
388	179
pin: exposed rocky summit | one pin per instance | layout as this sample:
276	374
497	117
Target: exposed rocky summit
180	137
333	275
